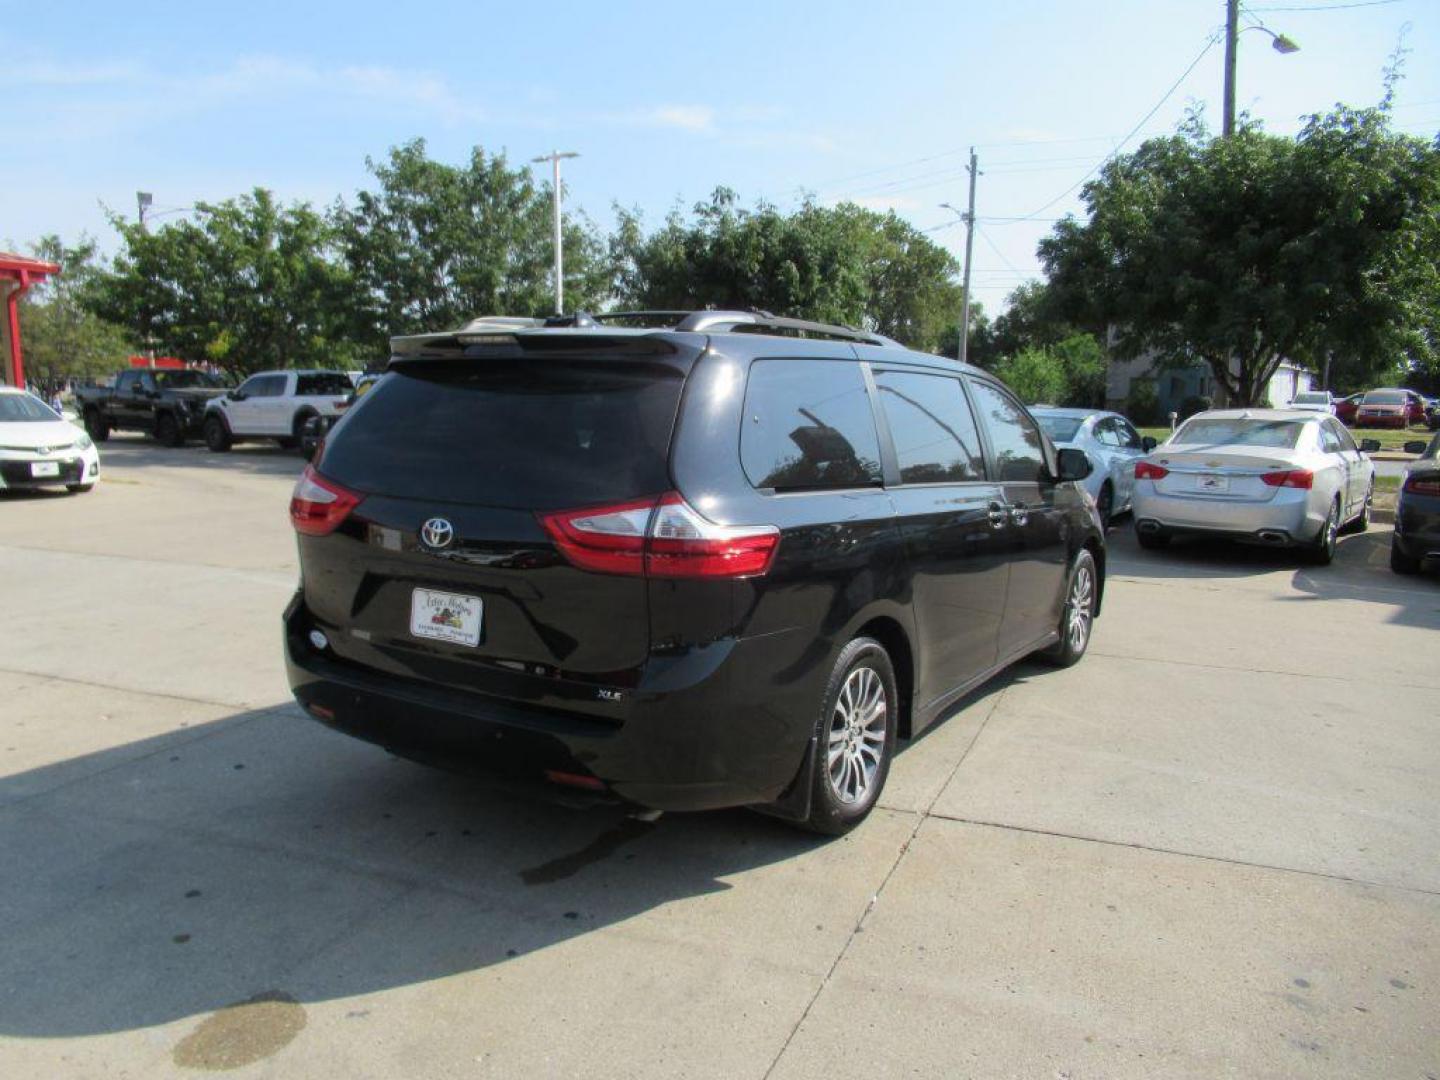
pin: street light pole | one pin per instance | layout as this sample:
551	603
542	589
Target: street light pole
1279	42
554	157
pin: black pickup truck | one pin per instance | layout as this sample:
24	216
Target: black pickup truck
164	402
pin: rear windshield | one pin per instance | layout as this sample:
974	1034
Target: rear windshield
1384	397
1240	432
1312	399
1059	428
22	408
326	382
536	435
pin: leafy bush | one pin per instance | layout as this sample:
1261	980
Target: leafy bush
1036	375
1193	404
1143	404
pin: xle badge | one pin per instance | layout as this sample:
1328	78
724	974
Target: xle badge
608	695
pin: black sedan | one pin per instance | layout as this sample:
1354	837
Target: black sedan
1417	514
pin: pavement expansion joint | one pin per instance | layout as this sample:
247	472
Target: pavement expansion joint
904	849
1133	845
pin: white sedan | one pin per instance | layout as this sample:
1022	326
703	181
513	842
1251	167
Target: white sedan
1281	477
1110	442
39	448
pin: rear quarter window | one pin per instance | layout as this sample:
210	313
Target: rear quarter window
808	425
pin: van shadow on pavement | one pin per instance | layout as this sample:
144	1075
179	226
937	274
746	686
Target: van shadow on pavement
263	859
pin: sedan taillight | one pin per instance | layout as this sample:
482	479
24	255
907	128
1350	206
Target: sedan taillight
318	504
662	536
1148	470
1423	484
1290	478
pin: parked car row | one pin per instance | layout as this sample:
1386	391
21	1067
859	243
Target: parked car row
1385	407
176	406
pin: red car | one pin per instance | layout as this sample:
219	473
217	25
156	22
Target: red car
1345	408
1390	408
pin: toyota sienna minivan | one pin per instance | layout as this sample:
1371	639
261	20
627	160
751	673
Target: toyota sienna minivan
680	561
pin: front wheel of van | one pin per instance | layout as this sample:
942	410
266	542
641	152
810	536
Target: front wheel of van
1077	617
855	738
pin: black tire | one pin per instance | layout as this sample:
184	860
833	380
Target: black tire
1151	541
1105	505
96	426
168	431
1362	522
1322	550
1077	615
1402	563
217	435
842	798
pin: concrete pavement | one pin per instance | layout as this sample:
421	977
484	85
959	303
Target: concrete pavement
1209	849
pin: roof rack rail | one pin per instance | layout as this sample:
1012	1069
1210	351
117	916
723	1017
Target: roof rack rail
756	320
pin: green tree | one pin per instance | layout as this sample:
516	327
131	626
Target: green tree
63	338
247	286
1242	252
435	245
841	264
1083	362
1036	375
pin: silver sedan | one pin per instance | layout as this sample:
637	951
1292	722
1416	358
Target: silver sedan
1110	442
1280	477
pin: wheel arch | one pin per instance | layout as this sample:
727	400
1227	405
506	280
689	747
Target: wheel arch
895	639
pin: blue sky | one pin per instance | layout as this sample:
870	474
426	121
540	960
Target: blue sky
877	102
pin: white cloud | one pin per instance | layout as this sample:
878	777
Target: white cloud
684	117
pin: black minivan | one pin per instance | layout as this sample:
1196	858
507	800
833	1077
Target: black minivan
726	560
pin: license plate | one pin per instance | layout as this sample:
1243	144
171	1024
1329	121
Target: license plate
1212	483
442	616
44	468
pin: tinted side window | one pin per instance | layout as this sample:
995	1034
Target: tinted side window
1329	441
1346	442
1129	437
1108	433
1015	440
253	386
808	424
321	384
273	385
930	422
127	382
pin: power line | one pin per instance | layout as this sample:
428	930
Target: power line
1330	7
1209	44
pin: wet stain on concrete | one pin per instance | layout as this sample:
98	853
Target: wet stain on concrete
602	847
180	939
1399	984
1304	984
242	1034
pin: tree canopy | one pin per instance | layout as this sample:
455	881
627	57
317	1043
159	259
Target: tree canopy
841	264
1245	251
63	338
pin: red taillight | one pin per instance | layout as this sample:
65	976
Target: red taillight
1423	484
1148	470
660	537
1291	478
318	505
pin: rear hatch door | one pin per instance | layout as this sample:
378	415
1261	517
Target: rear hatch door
444	571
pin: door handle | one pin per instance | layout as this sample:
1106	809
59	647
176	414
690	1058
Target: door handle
1019	514
997	516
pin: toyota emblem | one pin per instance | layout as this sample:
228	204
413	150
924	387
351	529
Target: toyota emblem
437	533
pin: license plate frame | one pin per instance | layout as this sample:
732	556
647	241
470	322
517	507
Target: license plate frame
45	470
452	618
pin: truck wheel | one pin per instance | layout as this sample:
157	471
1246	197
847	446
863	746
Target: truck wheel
96	425
168	431
217	435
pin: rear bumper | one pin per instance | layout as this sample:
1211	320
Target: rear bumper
714	743
1286	519
1417	528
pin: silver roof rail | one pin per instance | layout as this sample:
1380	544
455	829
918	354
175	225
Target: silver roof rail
760	321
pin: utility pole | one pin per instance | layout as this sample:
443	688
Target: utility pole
1232	34
555	157
969	253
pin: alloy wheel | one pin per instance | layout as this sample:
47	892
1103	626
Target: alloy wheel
857	736
1081	601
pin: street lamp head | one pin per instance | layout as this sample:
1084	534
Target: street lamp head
1283	45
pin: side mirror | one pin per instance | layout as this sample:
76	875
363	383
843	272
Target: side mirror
1148	443
1074	464
1414	446
1370	446
236	395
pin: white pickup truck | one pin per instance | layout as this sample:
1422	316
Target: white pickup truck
274	405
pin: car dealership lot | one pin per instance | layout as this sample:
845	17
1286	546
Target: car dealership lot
1211	848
